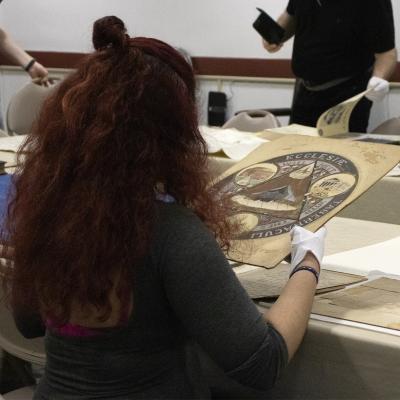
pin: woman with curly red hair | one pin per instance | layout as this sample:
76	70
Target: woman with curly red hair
117	239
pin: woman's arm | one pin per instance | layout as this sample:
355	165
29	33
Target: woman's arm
290	313
215	310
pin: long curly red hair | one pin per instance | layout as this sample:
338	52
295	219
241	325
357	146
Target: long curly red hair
124	123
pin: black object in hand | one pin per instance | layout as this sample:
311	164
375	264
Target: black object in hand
270	30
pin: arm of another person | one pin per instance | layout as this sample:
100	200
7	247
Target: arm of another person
288	23
385	64
381	36
216	311
378	85
16	54
379	26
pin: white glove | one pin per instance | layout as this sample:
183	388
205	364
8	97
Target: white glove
303	241
380	88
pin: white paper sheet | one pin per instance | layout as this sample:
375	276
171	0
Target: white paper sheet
395	171
235	144
11	143
383	257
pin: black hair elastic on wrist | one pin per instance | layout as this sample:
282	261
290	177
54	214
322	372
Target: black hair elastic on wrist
306	268
28	66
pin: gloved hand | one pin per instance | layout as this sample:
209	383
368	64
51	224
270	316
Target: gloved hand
304	241
380	88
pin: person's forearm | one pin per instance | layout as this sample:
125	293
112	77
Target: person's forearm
12	50
290	313
385	64
288	23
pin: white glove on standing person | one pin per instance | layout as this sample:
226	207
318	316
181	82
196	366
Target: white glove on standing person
380	88
304	241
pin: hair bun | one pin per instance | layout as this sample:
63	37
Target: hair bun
109	32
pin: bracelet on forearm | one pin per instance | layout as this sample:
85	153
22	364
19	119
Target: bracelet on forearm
306	268
28	66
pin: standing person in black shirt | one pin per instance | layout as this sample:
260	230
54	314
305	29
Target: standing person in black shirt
340	48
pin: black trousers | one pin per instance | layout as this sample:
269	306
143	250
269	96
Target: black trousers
309	105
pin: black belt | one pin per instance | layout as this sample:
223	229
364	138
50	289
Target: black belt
316	87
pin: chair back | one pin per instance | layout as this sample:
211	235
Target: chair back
25	393
24	108
389	127
256	121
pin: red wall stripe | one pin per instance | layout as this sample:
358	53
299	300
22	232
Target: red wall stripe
243	67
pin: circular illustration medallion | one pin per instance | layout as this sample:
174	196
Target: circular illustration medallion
269	198
255	174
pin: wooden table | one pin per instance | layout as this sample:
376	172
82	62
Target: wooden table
343	360
339	359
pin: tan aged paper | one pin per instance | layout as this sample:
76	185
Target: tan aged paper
296	180
375	302
336	120
262	283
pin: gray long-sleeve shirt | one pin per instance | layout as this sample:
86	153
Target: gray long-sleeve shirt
185	293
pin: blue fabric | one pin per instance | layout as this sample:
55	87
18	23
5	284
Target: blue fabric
165	197
5	184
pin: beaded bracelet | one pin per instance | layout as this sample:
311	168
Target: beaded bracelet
306	268
28	66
